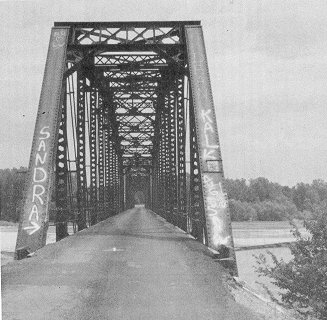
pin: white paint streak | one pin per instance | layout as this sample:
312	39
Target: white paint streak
33	228
37	195
216	200
39	175
215	197
41	146
208	131
208	154
39	179
205	115
58	39
40	160
35	212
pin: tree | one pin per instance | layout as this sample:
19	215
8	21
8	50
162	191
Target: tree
274	210
242	211
12	184
287	192
304	278
305	196
320	188
237	189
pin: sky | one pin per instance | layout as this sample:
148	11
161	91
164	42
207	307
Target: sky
267	62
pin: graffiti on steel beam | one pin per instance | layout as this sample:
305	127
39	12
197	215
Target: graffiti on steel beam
39	179
59	39
36	203
209	147
216	200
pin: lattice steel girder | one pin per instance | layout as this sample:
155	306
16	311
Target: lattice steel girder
197	216
126	33
82	202
218	222
62	176
124	60
93	156
113	58
181	172
34	215
101	161
121	78
144	86
126	90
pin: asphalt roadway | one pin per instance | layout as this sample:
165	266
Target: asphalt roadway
131	266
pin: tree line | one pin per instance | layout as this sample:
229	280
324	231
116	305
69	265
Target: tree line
255	199
11	192
260	199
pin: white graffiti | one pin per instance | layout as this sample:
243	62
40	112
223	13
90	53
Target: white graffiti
58	39
32	229
215	195
209	149
39	178
216	199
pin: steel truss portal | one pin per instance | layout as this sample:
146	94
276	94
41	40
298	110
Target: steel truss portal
126	113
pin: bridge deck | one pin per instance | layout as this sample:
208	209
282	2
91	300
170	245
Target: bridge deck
131	266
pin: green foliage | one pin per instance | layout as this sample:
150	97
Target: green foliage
237	189
304	278
260	199
242	211
263	211
274	210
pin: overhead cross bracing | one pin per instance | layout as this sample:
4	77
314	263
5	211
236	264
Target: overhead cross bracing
131	108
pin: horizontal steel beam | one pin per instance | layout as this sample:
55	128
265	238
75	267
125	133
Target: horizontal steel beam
135	24
125	47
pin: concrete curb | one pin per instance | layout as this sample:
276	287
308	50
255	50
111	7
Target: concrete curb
265	246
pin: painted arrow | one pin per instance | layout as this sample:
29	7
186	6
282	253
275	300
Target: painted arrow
33	228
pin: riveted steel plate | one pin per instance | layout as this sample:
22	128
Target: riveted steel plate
37	195
215	201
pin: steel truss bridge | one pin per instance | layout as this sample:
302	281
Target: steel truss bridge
126	108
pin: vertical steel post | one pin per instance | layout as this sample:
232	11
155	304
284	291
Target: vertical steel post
93	156
197	214
62	175
181	169
172	152
165	160
81	153
218	222
101	162
34	213
107	166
